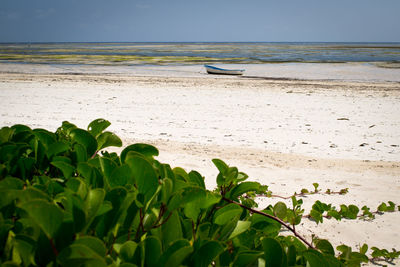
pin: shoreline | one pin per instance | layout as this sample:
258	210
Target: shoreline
348	71
287	134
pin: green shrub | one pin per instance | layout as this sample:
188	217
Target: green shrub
65	203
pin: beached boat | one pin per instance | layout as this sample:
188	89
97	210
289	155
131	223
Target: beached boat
215	70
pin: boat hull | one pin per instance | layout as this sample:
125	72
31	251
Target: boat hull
220	71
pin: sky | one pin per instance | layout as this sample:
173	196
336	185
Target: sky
199	21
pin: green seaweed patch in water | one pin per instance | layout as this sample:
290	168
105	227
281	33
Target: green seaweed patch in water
114	59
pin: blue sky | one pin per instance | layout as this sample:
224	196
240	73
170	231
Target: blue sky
200	20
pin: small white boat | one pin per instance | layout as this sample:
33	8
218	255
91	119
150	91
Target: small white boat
215	70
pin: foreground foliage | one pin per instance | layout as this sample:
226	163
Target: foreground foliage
64	203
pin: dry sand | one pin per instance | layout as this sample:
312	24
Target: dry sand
284	133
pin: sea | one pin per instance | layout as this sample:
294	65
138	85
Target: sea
385	54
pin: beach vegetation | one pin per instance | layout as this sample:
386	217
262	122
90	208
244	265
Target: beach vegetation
67	201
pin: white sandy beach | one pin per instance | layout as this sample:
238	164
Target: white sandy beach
337	125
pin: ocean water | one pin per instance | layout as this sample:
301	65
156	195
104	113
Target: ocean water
381	54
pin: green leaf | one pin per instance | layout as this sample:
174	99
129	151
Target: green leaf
6	134
221	166
97	126
325	247
193	199
86	139
19	128
57	148
392	206
316	185
247	258
48	216
47	138
152	251
80	255
242	177
314	258
204	230
225	214
280	210
241	227
10	264
349	212
104	208
93	203
176	253
8	197
3	170
316	215
382	207
11	183
25	167
377	253
66	169
63	159
220	179
353	210
78	186
74	206
193	193
197	179
207	253
192	210
8	151
226	230
335	214
80	153
121	176
40	154
211	199
273	252
108	139
166	190
358	258
291	255
331	261
364	249
181	174
107	166
24	248
32	193
171	230
144	175
346	251
89	172
265	224
127	251
93	243
66	128
242	188
148	151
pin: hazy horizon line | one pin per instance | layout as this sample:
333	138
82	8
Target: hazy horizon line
47	42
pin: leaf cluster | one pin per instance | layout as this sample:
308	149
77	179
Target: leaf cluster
322	210
64	203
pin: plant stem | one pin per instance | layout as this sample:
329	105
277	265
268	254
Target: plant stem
53	247
273	218
94	155
303	194
112	246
